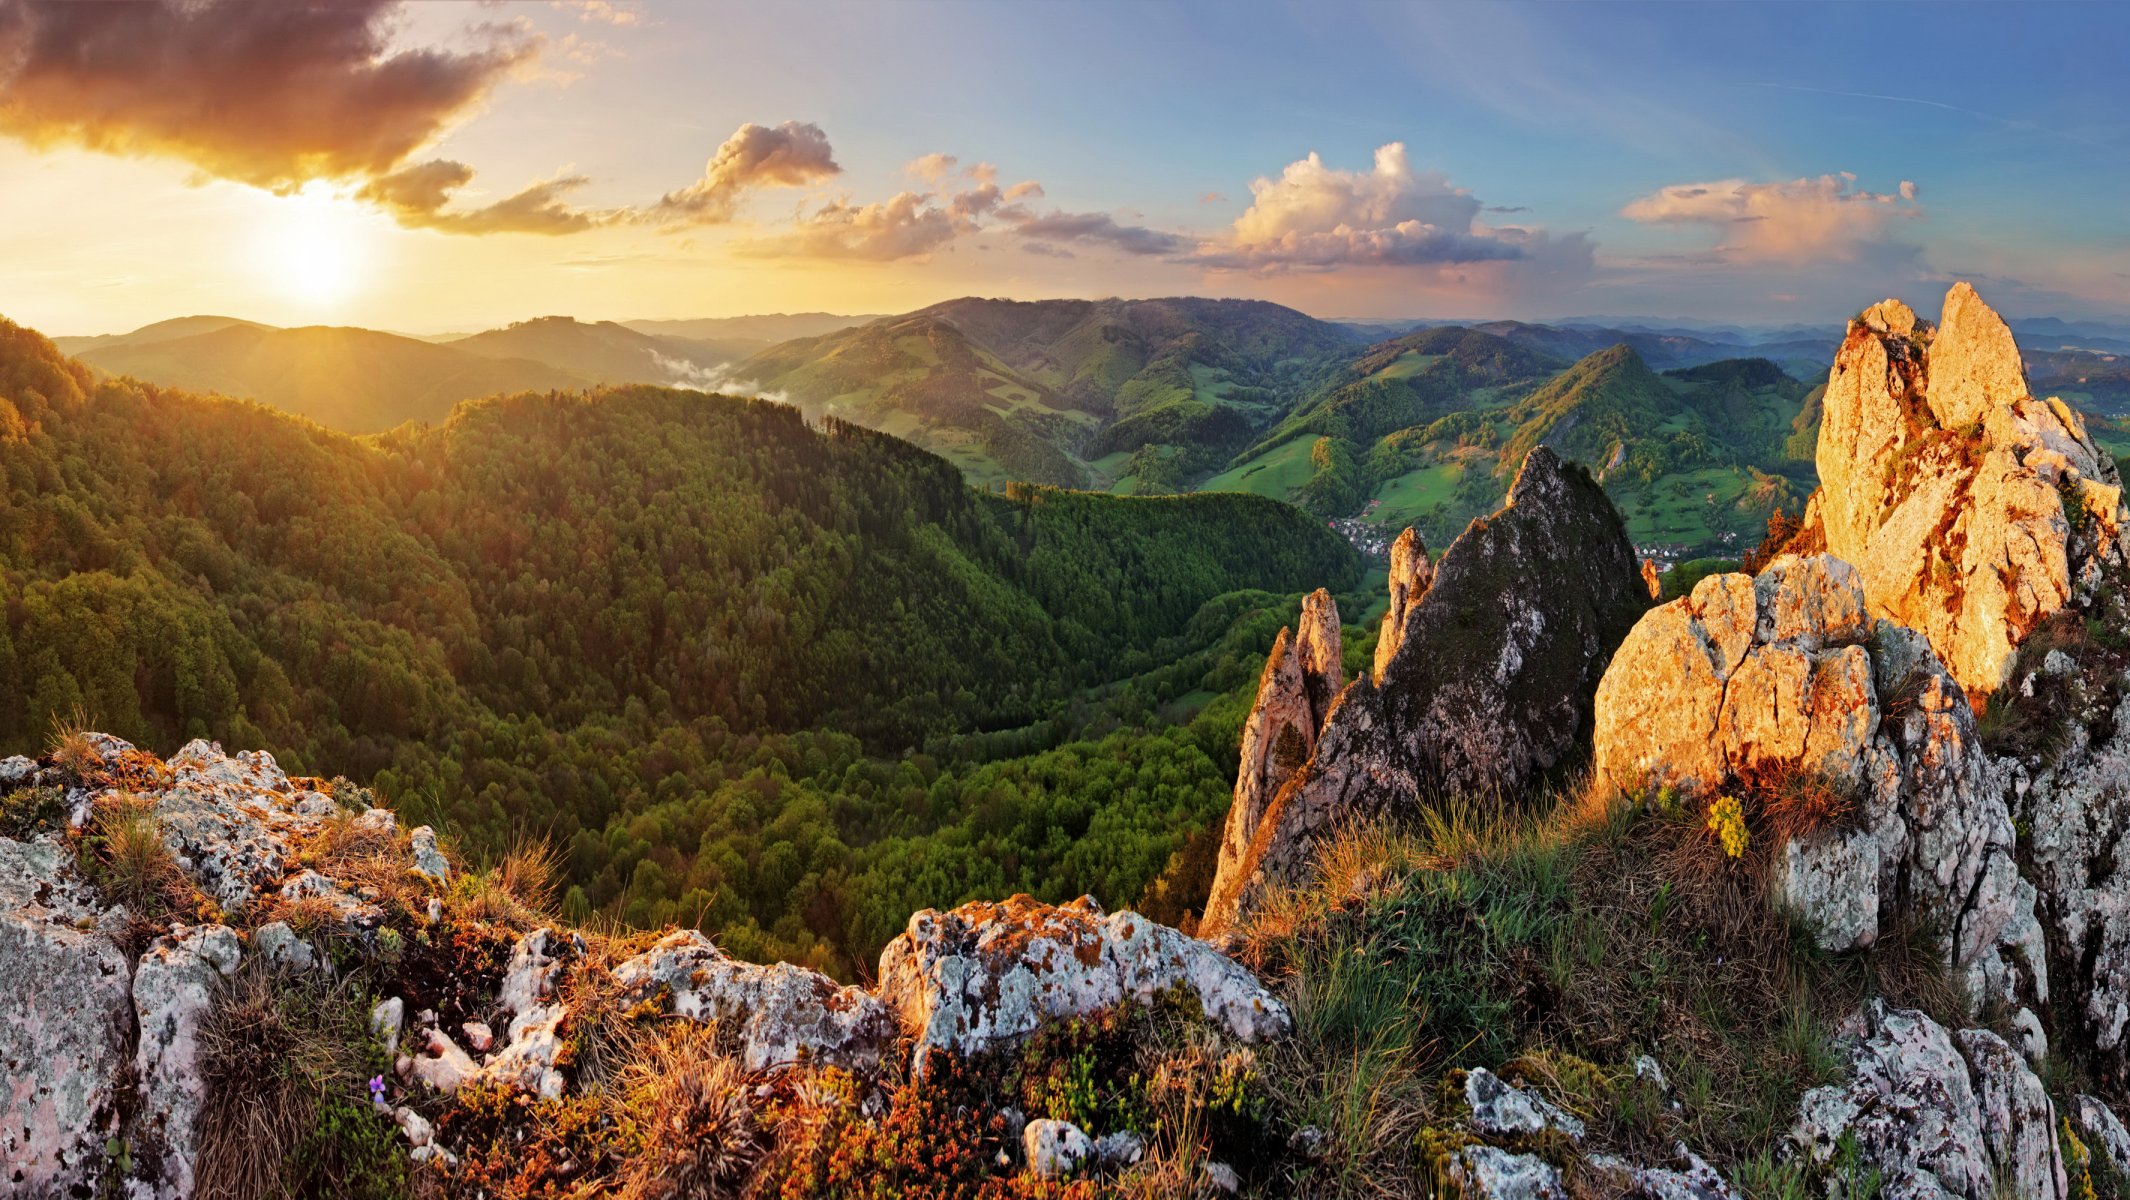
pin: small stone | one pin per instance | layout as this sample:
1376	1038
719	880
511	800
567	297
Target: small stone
1116	1151
386	1017
478	1036
279	944
1054	1148
1221	1178
428	859
416	1127
444	1066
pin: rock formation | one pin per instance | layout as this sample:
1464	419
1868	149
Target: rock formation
120	1060
1972	509
1487	685
1411	574
1784	681
1302	676
1936	1112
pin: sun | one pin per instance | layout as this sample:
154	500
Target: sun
313	249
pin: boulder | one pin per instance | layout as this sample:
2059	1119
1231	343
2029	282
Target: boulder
1783	681
990	973
66	1010
779	1014
173	991
1488	684
2102	1132
1302	677
1972	509
530	1058
1935	1113
1056	1149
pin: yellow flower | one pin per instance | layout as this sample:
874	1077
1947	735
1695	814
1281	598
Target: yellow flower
1726	819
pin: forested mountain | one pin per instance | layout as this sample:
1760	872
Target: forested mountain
356	380
760	330
1064	391
779	678
604	351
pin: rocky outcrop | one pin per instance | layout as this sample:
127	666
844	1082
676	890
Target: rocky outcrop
779	1014
1935	1112
1302	676
1972	509
1488	684
1782	686
173	990
988	973
1412	572
61	1061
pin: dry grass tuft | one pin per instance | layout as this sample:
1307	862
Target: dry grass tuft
518	892
1795	801
702	1140
69	744
128	859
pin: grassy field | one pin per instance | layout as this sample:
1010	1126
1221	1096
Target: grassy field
1676	508
1409	495
1275	473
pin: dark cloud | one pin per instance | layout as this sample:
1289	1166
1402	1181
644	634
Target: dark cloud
271	94
1099	229
1507	208
788	155
1046	250
416	197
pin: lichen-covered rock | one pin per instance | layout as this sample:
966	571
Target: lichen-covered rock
777	1014
277	943
1491	1173
1501	1109
1302	676
173	990
65	1012
2102	1132
1934	1112
1770	682
428	860
2076	809
1689	1177
529	1058
1972	509
1412	573
1489	684
987	973
1056	1149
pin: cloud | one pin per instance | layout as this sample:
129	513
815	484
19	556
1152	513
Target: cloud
416	197
932	168
1506	208
1046	250
1318	218
265	94
1803	219
907	226
1212	198
1099	229
611	12
755	156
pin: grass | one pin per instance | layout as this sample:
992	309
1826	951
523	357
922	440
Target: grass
1276	472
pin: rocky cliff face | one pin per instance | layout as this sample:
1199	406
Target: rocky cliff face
1972	509
1486	684
1302	676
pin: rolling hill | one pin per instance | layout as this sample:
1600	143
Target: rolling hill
354	380
602	351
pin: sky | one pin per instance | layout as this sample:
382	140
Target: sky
444	166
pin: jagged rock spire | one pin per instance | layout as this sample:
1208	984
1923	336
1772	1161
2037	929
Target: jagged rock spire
1302	676
1412	572
1972	509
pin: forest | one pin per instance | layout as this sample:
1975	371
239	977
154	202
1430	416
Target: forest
786	681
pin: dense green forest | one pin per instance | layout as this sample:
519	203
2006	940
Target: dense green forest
784	680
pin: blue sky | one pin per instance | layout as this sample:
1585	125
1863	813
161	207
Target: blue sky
1747	162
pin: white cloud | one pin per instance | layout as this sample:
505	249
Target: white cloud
1802	219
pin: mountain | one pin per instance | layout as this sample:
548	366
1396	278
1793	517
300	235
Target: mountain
761	330
603	351
356	380
1058	391
160	331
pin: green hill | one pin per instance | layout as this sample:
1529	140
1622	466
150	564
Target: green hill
602	352
780	679
357	380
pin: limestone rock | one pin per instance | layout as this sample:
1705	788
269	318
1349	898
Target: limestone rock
65	1012
1936	1113
1302	676
1489	684
442	1065
2102	1132
1651	580
428	860
1972	509
1500	1109
1490	1173
173	989
1689	1177
386	1018
1056	1149
779	1014
1754	682
987	973
277	943
1412	572
528	1059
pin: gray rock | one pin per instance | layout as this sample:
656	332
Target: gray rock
279	944
16	771
1055	1149
1490	683
1500	1109
65	1012
2102	1132
780	1013
441	1064
1220	1178
1935	1113
1490	1173
428	860
386	1018
987	973
173	989
1115	1151
528	1059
